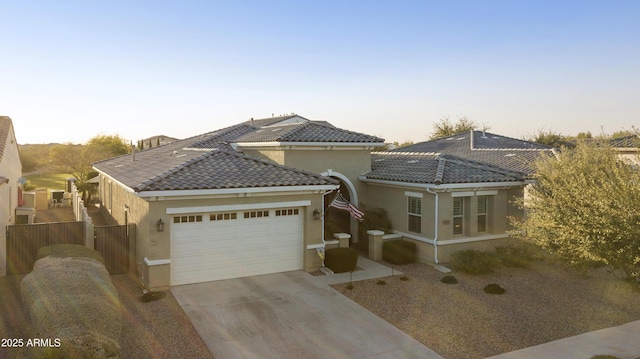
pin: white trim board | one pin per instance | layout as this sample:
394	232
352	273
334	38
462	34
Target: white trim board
156	262
226	191
236	207
474	193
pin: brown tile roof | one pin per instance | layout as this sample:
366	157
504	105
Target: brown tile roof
221	169
210	161
309	131
435	168
496	150
5	129
631	141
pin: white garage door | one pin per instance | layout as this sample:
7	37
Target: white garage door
223	245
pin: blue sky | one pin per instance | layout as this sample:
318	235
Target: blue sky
73	69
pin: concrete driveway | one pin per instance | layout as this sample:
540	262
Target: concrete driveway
289	315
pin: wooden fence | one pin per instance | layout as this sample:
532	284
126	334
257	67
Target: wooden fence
113	242
24	240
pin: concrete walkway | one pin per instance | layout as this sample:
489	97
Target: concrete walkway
293	315
368	270
622	341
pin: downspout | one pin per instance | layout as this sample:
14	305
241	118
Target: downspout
438	181
437	225
322	231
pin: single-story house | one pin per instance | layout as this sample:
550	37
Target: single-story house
10	189
244	200
452	193
254	198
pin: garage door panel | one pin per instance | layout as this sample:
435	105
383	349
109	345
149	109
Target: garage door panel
223	249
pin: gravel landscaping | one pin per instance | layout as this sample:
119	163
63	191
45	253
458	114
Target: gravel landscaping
543	303
157	329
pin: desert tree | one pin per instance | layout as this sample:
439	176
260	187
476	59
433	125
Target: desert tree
445	127
549	138
77	160
584	206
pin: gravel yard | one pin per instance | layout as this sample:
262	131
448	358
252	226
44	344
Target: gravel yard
541	304
157	329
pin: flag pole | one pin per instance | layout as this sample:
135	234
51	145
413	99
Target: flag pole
329	206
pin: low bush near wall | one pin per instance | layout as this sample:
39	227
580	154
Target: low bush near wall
399	252
474	262
69	251
515	256
341	260
72	299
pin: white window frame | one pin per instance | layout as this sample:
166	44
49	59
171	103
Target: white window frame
483	213
414	214
458	219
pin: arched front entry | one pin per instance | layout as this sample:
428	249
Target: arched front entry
336	220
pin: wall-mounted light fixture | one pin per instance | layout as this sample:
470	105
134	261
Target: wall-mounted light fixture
316	214
160	225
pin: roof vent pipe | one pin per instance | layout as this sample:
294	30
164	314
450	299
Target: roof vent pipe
251	121
133	152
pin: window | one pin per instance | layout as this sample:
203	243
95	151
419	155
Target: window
414	212
287	212
223	216
482	214
458	216
187	219
256	214
110	197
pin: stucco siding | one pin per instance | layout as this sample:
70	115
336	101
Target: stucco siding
155	246
395	201
10	168
500	205
350	163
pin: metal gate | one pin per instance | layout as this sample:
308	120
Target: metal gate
24	240
113	243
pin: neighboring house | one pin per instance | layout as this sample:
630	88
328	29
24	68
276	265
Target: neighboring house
244	200
628	148
452	193
155	141
10	190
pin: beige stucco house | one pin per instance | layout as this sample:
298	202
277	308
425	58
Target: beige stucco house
452	193
10	173
254	198
240	201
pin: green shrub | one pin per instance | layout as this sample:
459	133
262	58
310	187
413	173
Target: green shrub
399	252
604	356
341	260
69	251
515	256
449	279
474	262
494	289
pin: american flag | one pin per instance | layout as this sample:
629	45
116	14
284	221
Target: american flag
341	203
